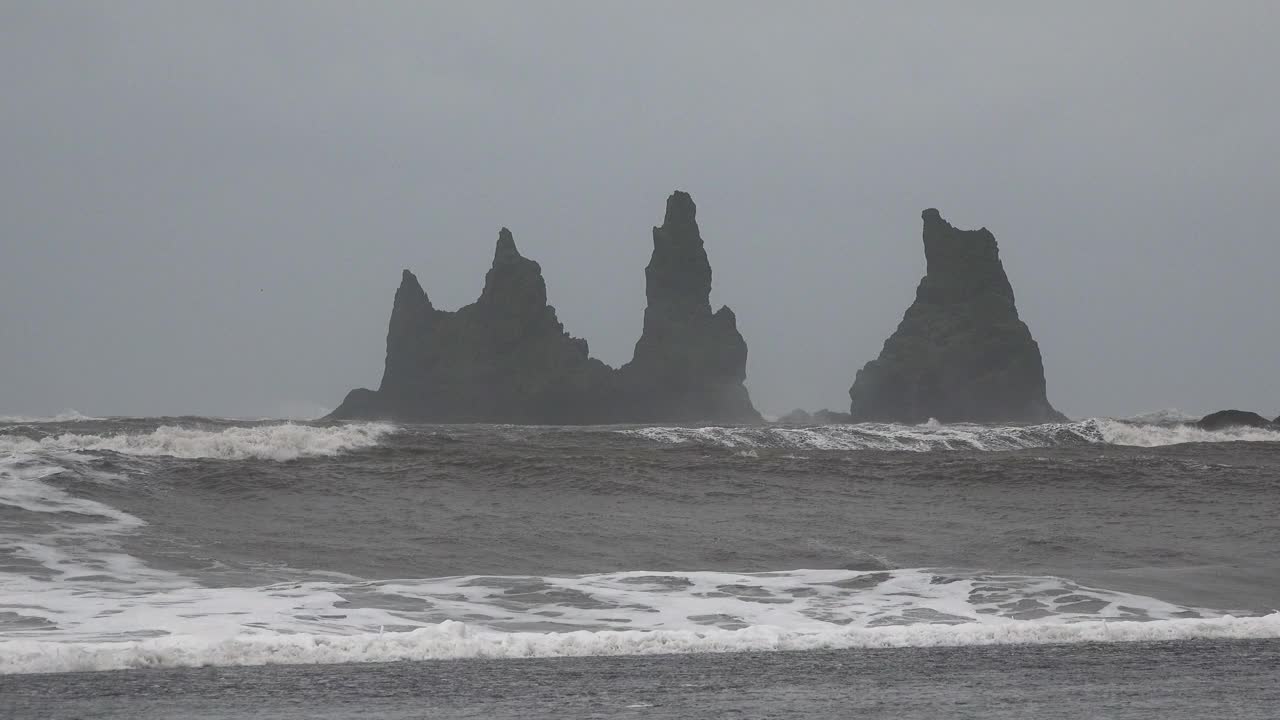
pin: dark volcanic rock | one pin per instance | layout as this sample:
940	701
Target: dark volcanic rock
690	363
503	358
1224	419
960	354
506	358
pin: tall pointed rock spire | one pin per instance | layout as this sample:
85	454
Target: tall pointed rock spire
690	363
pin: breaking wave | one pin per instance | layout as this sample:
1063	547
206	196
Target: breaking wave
265	442
164	621
62	417
1167	416
932	436
1123	433
453	640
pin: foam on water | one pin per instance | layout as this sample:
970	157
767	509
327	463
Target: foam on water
282	442
72	599
23	490
453	640
1123	433
933	436
63	544
815	599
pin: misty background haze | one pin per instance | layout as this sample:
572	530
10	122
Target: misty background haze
205	208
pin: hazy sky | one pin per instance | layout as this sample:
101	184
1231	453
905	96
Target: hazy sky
205	207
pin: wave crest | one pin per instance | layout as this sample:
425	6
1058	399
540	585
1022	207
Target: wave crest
287	441
932	436
455	640
880	436
1141	435
876	436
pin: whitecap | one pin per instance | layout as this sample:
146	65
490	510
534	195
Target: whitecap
454	640
287	441
933	436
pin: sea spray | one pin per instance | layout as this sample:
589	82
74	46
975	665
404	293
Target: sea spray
287	441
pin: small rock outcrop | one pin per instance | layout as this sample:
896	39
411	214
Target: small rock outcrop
1225	419
821	417
506	358
799	416
961	353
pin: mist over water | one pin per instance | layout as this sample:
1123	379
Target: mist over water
176	541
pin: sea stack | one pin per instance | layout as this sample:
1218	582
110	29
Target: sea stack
506	358
961	353
690	363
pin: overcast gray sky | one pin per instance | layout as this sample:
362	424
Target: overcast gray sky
205	207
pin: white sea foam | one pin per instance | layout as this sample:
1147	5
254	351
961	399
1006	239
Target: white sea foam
66	537
21	487
452	640
1123	433
935	436
84	604
286	441
118	599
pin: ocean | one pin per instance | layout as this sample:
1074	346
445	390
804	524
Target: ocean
213	556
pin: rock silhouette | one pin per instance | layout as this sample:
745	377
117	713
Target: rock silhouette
800	416
506	358
961	353
690	363
1224	419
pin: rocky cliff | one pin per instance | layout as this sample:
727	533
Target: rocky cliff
506	358
961	353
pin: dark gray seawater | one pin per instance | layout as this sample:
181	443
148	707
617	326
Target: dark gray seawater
1188	680
172	542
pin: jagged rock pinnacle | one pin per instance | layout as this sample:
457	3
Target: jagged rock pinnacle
506	247
690	362
681	209
506	358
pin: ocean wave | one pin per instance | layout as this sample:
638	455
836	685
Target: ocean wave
877	436
80	605
21	488
62	417
933	436
1140	435
1167	416
455	640
264	442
